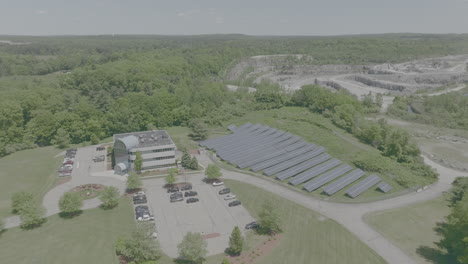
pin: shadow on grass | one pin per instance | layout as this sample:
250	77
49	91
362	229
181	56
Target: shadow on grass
71	215
434	255
107	207
3	231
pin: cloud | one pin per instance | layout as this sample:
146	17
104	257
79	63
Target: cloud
40	12
219	19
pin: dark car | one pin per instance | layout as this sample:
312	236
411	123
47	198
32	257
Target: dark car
177	194
234	203
100	148
190	193
140	199
252	225
224	191
177	199
192	200
141	209
172	189
186	187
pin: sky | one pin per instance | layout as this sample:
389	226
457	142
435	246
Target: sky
251	17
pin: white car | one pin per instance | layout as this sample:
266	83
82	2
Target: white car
218	183
146	218
229	196
139	193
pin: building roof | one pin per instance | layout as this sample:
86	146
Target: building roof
129	141
145	139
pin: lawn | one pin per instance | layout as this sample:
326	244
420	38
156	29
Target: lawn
87	238
316	129
308	237
31	170
411	227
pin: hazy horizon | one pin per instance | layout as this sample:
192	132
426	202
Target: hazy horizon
254	18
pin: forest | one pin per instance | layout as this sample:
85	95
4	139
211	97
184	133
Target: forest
78	89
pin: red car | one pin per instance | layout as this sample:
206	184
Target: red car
68	162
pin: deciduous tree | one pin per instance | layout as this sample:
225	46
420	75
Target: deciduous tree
109	197
70	203
138	161
133	181
61	138
18	199
213	172
269	219
193	248
170	178
140	246
31	215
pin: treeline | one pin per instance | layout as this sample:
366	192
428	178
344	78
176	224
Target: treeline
49	54
446	110
347	112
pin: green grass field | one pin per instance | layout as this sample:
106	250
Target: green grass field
87	238
412	226
31	170
307	236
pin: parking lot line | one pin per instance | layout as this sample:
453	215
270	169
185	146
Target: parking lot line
77	164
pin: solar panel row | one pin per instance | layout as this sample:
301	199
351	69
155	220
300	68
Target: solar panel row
327	177
384	187
293	162
363	186
307	175
343	182
302	167
287	156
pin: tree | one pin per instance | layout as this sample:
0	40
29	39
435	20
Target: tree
110	197
94	139
70	203
379	99
213	172
235	242
269	219
140	246
226	261
133	181
170	178
193	248
61	138
199	130
138	161
31	215
18	199
193	163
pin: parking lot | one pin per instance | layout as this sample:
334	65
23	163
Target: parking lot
211	216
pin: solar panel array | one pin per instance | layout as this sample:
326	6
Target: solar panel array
363	186
288	157
384	187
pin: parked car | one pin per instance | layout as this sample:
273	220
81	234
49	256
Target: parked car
100	148
192	200
229	196
234	203
252	225
218	183
68	162
99	158
186	187
141	209
146	217
172	189
224	191
190	193
139	193
140	199
177	199
177	194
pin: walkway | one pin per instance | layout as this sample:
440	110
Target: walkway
351	215
82	174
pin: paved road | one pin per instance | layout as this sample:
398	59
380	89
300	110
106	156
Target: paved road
351	215
82	173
